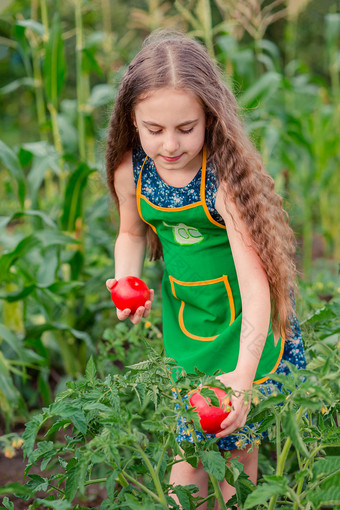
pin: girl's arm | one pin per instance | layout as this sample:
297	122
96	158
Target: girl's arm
255	296
130	243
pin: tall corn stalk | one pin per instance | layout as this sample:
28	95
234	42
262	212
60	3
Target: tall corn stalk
81	79
198	15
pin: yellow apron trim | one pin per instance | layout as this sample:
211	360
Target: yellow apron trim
224	279
204	204
276	364
139	196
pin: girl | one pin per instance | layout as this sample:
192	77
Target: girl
190	186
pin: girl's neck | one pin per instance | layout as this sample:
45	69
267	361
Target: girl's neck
177	178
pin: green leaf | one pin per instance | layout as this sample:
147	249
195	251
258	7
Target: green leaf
142	365
9	395
15	488
57	505
54	63
37	27
265	86
263	492
91	371
330	496
135	504
37	483
8	504
292	430
30	434
37	214
38	330
214	464
23	247
110	484
183	492
74	473
12	339
326	466
54	237
73	199
101	94
45	158
16	84
11	162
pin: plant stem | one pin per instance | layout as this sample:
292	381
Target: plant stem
44	17
106	16
206	499
298	492
79	68
278	436
141	486
159	463
283	457
154	476
97	480
207	27
280	466
55	128
218	492
38	82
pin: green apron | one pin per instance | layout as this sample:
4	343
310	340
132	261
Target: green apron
202	308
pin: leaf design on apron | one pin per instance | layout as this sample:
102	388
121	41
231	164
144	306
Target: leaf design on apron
185	234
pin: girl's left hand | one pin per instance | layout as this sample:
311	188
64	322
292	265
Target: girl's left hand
240	403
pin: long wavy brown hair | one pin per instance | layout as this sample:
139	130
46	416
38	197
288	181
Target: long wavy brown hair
174	60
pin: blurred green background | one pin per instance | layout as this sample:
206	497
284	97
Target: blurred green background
60	66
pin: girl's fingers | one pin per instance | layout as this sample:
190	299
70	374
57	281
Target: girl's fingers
123	314
235	420
147	308
109	283
137	316
238	423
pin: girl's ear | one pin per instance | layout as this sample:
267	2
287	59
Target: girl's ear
133	118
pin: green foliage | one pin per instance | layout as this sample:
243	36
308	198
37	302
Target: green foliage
119	431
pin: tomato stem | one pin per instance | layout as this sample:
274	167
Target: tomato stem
218	492
283	457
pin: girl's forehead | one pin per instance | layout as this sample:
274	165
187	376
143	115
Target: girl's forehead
167	95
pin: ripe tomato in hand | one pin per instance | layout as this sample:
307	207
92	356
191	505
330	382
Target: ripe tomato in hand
211	417
130	292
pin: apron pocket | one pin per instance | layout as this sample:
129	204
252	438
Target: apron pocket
206	307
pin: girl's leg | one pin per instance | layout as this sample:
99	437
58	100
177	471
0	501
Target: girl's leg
183	473
250	463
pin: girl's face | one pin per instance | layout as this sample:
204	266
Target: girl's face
171	125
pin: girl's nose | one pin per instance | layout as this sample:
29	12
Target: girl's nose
170	143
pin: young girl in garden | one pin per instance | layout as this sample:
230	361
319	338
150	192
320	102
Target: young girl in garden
190	187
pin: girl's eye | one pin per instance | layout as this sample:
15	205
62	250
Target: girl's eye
183	131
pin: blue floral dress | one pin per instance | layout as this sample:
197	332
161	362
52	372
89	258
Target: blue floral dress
164	195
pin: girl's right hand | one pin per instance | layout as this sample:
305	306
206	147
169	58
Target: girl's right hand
142	311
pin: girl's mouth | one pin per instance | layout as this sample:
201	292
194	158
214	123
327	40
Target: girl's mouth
174	158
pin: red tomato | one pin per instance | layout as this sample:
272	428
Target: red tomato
211	417
130	292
